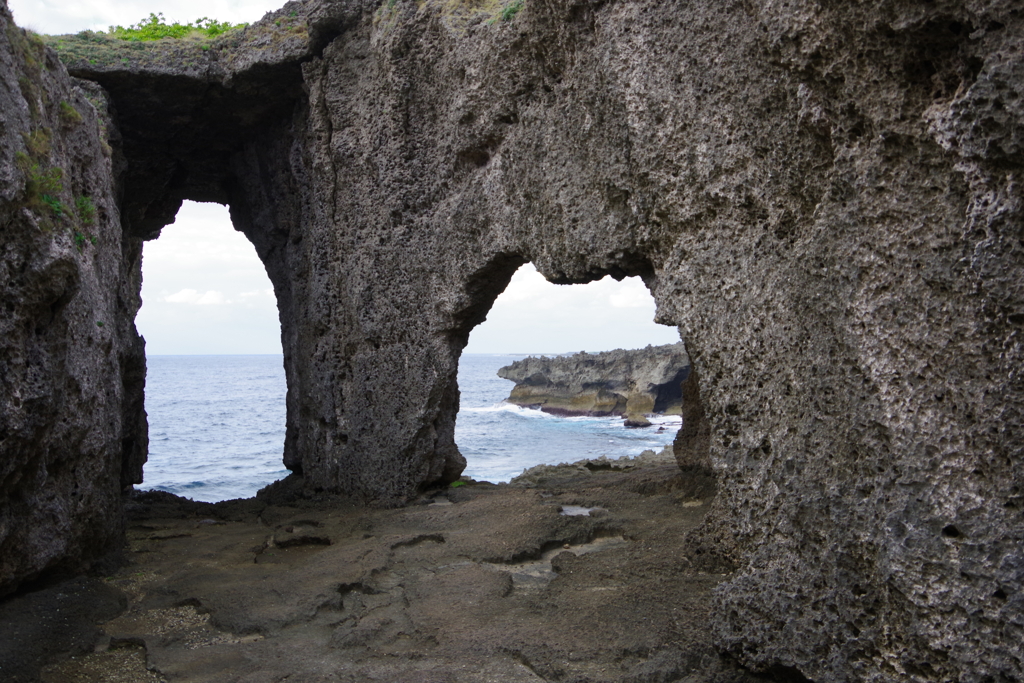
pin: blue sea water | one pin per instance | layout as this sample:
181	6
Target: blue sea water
499	440
216	426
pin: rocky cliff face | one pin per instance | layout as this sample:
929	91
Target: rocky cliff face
72	425
620	382
824	198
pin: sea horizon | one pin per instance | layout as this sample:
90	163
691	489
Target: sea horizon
217	424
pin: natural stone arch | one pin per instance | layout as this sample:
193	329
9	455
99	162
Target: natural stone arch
346	308
840	252
485	286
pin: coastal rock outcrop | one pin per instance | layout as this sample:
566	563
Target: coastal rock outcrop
72	368
632	382
823	197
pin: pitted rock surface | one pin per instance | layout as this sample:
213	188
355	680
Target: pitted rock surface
824	198
72	367
477	583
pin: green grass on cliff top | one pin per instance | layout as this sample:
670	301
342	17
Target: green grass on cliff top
152	41
155	28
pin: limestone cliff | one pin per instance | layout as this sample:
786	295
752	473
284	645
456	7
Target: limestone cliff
823	197
72	425
633	383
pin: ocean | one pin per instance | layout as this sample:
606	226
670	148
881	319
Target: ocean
216	426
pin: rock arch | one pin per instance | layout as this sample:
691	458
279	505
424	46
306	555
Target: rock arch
822	198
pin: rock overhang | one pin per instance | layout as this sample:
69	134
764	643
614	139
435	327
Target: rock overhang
822	198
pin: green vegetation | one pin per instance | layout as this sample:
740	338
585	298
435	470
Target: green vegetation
31	94
43	182
43	187
143	44
55	205
39	180
44	192
36	42
33	51
81	239
155	28
69	116
509	11
38	142
457	484
86	211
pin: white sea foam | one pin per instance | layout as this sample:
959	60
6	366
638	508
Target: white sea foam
217	426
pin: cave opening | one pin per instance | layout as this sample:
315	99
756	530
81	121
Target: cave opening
215	386
533	317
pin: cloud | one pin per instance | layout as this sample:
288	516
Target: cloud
527	285
631	294
191	296
528	290
229	304
204	289
258	299
533	315
59	17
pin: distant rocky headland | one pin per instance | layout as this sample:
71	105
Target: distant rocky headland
633	383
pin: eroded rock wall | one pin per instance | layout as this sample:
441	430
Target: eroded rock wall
72	425
822	196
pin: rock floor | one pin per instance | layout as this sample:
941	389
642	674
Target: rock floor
582	578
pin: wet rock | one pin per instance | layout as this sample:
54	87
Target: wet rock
575	473
634	421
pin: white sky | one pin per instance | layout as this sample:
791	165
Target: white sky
205	292
534	316
61	16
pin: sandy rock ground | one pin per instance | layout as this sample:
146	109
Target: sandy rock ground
577	574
